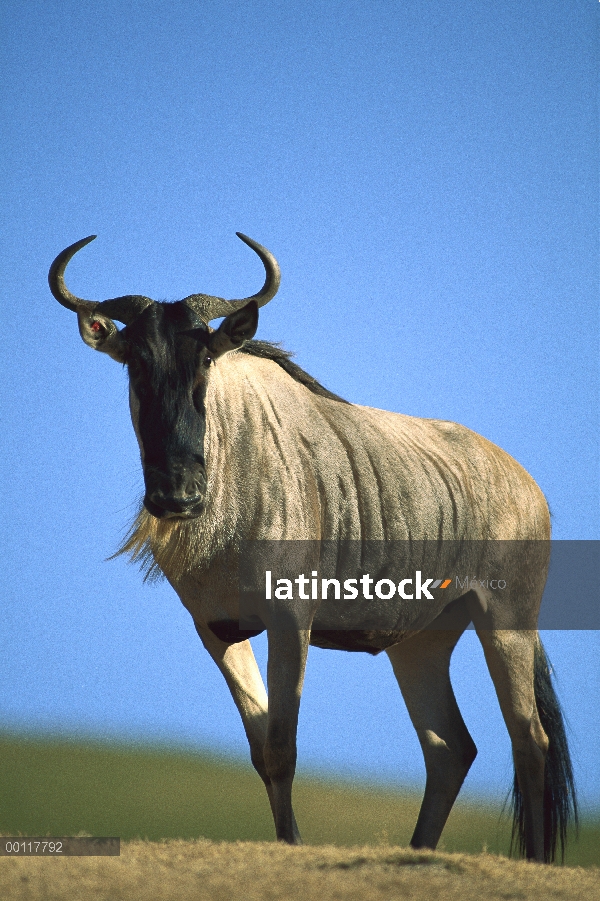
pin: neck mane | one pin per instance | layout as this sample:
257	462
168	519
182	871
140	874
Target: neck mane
270	351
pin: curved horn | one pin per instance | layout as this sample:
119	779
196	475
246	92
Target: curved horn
123	309
56	279
209	307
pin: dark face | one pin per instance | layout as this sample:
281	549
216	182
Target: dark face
169	351
168	359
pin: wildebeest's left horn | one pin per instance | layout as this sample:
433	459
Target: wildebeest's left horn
56	279
123	309
208	307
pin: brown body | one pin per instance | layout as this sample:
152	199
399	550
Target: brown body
246	449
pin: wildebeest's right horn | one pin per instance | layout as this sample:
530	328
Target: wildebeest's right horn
123	309
209	307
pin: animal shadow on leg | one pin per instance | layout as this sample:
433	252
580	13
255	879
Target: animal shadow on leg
422	667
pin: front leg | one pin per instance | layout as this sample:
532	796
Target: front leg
239	667
288	649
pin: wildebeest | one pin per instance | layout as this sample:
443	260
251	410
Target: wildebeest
240	446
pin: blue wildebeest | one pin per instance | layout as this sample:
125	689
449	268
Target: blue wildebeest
238	444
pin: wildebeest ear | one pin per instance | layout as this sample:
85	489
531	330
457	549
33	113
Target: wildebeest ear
235	330
102	334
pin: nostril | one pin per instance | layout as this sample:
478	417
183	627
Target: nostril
193	486
183	496
175	491
175	480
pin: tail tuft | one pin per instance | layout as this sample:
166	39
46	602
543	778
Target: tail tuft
560	799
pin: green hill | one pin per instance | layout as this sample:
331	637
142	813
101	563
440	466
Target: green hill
60	787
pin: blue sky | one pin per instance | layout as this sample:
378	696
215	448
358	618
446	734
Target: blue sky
426	174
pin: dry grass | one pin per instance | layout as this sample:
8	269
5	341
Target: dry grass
182	870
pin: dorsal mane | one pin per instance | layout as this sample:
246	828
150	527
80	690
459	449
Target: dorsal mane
271	351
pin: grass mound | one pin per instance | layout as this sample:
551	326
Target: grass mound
199	870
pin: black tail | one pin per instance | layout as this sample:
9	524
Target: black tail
560	800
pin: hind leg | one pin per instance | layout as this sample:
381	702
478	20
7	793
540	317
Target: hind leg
510	659
422	667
